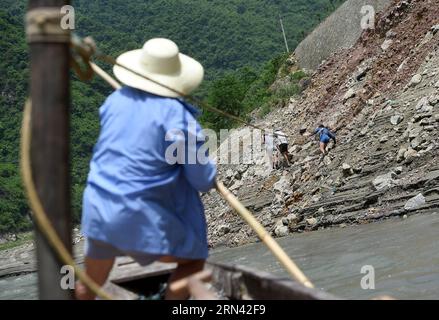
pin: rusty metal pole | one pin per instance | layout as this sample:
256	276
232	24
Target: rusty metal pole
49	87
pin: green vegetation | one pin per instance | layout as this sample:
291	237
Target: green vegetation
233	39
242	91
21	239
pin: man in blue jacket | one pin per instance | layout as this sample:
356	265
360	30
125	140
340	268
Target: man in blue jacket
139	201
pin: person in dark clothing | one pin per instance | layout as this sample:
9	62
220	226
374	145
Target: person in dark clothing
325	135
281	143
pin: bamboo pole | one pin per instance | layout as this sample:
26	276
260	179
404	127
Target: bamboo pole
105	76
274	247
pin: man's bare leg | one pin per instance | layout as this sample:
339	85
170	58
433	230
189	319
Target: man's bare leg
323	148
98	270
185	268
275	161
285	154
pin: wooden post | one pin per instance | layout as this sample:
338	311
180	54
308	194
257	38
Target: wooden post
49	87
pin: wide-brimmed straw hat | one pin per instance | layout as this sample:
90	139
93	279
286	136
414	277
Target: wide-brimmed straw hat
161	61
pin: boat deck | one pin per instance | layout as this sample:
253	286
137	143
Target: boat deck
129	280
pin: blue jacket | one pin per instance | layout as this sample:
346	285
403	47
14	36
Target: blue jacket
324	134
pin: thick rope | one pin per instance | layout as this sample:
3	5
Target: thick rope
38	212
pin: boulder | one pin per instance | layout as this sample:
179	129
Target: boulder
347	170
311	221
327	161
349	94
416	143
292	219
281	231
238	184
384	181
398	170
363	132
415	131
223	229
415	202
402	65
410	155
421	116
396	119
386	44
357	169
427	121
242	168
423	105
338	182
390	34
433	100
229	173
283	185
416	79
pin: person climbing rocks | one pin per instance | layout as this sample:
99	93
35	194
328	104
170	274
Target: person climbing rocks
324	135
137	202
281	143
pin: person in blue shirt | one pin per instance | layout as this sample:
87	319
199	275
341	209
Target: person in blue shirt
325	135
142	194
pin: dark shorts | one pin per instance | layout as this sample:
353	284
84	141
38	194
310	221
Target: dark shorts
96	249
325	138
283	147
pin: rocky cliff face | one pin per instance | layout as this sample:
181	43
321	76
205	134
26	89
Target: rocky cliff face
382	99
340	30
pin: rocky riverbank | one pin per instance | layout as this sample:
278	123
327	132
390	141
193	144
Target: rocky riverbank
20	259
382	99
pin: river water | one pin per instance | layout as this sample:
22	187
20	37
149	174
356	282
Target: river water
404	255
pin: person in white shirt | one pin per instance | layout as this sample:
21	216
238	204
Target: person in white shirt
281	143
